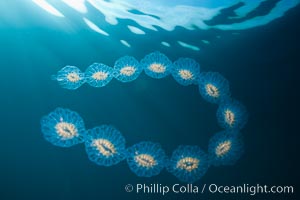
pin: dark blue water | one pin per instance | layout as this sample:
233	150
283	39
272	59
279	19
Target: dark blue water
261	65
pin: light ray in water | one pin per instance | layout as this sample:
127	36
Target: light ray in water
165	44
136	30
48	7
94	27
78	5
124	42
189	46
205	41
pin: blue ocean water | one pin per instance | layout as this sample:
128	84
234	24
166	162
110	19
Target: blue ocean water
260	64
